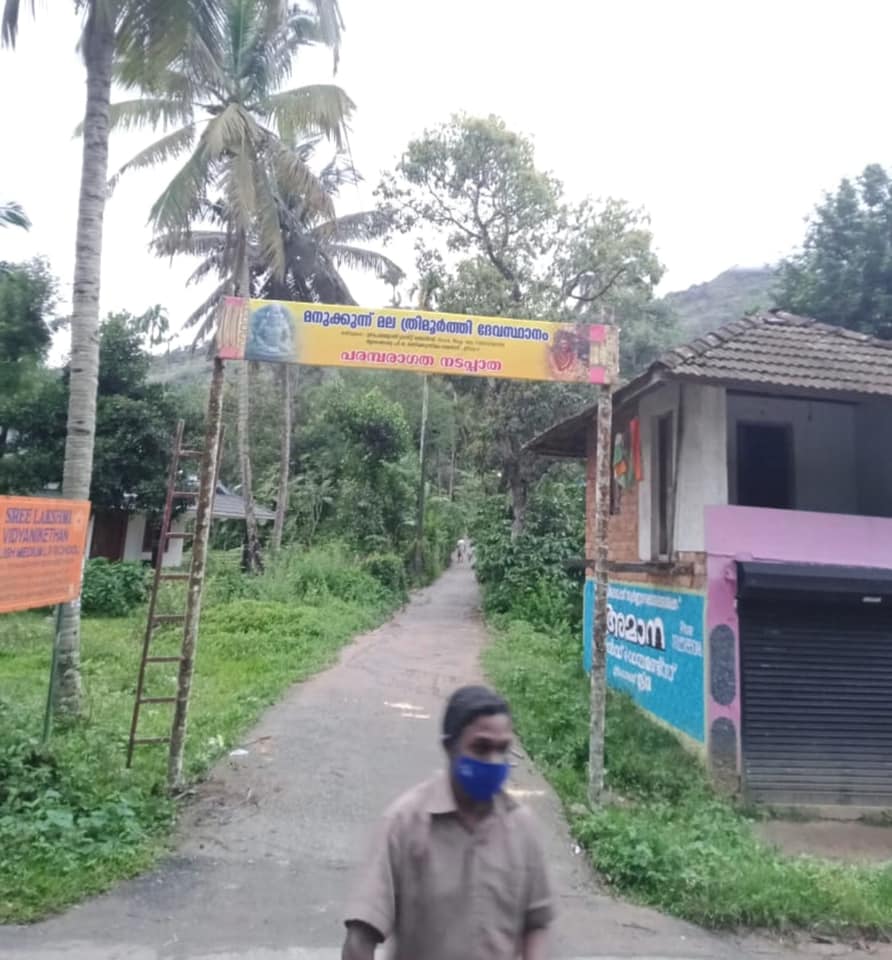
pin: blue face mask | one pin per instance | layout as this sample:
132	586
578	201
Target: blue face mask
480	780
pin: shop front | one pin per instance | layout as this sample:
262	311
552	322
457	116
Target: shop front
750	547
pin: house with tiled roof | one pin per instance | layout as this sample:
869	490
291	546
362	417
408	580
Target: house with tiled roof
750	554
122	535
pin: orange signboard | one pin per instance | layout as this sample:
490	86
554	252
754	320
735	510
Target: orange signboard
41	551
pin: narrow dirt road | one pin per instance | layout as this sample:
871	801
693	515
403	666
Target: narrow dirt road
266	853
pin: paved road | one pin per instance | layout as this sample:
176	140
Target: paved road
266	852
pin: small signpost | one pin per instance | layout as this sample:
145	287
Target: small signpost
42	543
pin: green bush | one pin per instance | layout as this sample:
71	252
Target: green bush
701	860
390	571
538	575
444	523
113	589
296	574
67	822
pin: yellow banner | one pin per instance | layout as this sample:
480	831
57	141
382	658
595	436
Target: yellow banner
323	335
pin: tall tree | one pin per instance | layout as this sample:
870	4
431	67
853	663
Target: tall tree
843	272
506	242
141	34
12	215
133	419
27	299
316	248
241	133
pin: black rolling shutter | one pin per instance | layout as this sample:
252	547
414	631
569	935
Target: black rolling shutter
816	670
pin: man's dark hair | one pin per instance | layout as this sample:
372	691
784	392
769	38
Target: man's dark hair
465	706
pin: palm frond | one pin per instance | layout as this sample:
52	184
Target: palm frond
211	264
331	25
9	26
363	226
229	131
320	109
270	60
240	189
327	284
181	201
173	145
156	32
269	226
12	215
205	316
337	172
359	258
147	112
295	179
196	243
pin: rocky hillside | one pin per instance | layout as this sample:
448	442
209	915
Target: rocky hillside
731	294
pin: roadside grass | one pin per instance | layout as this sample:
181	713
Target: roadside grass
73	820
665	838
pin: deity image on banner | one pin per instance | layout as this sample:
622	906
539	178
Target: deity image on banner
569	356
270	335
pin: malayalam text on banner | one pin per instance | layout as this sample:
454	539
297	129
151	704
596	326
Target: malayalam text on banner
422	341
41	551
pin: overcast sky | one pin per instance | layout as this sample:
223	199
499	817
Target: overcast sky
725	120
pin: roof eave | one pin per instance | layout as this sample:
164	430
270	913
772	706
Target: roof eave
567	440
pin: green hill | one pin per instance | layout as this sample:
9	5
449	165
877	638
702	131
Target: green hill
181	366
728	296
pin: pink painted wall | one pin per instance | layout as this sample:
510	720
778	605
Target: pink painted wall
791	536
796	536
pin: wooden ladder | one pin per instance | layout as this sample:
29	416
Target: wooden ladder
155	620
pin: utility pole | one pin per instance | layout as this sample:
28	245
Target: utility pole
422	460
598	677
423	301
600	444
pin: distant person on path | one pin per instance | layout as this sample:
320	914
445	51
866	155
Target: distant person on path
460	550
456	871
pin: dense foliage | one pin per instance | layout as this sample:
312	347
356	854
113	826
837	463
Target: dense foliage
134	422
538	575
843	273
496	236
113	589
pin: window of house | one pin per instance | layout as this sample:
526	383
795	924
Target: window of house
662	475
152	534
765	465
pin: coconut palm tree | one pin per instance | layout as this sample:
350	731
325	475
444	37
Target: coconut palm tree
240	133
12	215
141	35
317	247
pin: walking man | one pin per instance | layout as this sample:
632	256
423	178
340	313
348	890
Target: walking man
460	551
456	871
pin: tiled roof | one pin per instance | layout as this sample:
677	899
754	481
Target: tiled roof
783	350
768	350
230	506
